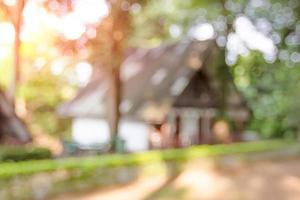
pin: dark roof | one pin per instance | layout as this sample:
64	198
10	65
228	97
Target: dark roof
10	125
153	80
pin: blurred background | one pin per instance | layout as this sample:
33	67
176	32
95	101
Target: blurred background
97	77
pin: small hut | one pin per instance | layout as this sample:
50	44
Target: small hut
172	95
12	129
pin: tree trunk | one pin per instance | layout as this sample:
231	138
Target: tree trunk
118	23
114	99
17	55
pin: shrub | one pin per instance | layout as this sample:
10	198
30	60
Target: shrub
16	154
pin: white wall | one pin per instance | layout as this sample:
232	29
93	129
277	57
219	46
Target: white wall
189	129
135	134
87	131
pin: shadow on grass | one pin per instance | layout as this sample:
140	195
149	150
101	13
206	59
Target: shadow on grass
166	190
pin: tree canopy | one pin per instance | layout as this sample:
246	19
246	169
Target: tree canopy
260	39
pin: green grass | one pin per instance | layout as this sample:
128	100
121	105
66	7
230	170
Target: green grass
8	170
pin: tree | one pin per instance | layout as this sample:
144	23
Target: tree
267	82
116	26
108	53
14	14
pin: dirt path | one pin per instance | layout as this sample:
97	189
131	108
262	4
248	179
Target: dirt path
138	189
258	181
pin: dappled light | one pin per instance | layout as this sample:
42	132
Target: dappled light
149	100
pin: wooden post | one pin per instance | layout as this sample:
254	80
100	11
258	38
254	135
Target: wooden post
206	126
239	127
177	142
200	134
207	131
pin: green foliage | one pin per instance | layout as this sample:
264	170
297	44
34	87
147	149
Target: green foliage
43	93
271	91
5	73
17	154
119	160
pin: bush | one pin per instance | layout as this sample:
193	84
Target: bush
16	154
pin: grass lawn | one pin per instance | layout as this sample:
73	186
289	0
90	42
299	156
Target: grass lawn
118	160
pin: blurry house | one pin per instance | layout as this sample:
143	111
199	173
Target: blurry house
12	129
173	95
